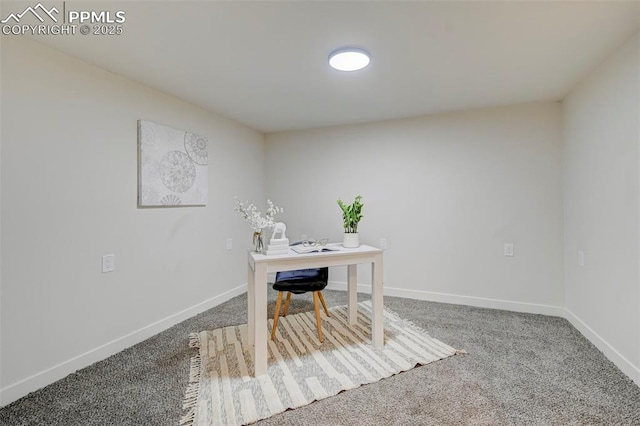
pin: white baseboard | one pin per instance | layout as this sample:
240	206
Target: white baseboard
481	302
17	390
609	351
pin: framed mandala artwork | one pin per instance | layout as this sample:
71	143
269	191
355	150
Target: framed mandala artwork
172	166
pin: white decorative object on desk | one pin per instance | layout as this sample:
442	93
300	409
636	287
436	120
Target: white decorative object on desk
278	245
273	251
279	227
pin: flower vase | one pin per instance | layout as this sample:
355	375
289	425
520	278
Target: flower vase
258	242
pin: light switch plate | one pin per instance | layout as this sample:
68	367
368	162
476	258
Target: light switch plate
383	243
508	249
108	263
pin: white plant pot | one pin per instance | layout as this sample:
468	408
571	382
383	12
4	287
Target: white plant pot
351	240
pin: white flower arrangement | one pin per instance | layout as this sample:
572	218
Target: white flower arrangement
254	218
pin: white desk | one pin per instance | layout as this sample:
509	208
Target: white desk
260	265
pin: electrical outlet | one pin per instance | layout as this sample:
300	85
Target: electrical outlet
580	258
229	245
383	243
108	263
508	249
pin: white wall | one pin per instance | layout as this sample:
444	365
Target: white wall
601	199
447	191
69	185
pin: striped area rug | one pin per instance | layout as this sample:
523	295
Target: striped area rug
301	370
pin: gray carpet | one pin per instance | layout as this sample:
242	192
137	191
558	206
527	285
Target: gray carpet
520	369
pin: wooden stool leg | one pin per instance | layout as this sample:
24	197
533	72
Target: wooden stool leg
286	304
324	305
275	317
318	319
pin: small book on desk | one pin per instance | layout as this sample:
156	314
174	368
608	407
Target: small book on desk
301	249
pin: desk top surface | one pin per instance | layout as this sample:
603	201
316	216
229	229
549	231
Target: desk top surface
343	251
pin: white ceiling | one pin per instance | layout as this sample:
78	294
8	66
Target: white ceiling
264	64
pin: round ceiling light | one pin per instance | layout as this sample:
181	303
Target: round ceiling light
349	59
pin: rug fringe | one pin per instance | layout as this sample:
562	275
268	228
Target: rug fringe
194	340
190	400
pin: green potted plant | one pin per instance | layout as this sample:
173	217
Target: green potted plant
351	216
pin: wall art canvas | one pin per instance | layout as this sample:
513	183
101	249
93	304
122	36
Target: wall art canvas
172	166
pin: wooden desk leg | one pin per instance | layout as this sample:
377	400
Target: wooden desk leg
352	290
260	318
377	325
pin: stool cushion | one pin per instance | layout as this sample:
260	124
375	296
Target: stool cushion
301	281
299	287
